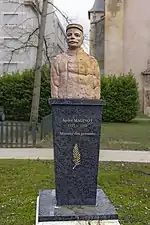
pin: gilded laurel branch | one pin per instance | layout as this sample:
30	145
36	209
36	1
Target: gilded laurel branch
76	156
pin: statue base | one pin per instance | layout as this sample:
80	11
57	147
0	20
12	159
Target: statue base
76	138
48	213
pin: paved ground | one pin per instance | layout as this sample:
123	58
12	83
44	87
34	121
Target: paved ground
105	155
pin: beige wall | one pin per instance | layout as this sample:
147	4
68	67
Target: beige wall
114	13
127	44
137	38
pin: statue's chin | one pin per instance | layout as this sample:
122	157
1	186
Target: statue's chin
72	47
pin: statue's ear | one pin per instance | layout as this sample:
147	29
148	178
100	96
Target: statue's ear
82	39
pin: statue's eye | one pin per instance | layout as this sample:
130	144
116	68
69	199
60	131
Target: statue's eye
77	35
69	34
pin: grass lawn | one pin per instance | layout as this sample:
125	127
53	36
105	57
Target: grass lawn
134	135
128	136
20	180
143	116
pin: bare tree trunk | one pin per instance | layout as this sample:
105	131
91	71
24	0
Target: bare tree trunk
37	80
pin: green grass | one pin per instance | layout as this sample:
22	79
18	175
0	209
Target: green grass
134	135
20	180
128	136
143	116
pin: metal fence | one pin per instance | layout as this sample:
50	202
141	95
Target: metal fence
17	134
20	135
46	126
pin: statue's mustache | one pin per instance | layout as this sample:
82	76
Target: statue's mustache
72	41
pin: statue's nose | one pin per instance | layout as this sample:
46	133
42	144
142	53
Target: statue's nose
72	36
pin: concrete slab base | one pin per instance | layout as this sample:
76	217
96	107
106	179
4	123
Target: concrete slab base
106	222
78	222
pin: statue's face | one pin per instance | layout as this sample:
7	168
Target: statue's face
74	38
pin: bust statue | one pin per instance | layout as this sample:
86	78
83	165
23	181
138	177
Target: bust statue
75	74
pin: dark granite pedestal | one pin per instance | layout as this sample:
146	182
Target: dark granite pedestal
76	137
48	211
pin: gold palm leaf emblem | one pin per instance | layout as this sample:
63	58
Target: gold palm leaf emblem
76	156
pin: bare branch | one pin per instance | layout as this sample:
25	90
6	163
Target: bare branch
63	15
46	52
27	36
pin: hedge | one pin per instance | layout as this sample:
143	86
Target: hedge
16	94
120	94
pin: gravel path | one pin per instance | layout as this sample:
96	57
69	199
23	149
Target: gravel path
47	154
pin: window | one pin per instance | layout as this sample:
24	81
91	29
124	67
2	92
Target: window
10	67
11	43
13	1
11	19
53	22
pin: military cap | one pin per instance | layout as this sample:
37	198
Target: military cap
74	25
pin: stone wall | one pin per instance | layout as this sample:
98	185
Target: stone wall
127	38
114	25
137	40
97	28
99	42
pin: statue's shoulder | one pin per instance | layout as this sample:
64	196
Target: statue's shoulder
92	58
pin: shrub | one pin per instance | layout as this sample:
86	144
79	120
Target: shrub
16	94
121	96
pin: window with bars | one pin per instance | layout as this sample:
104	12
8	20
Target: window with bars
13	1
10	67
11	43
11	19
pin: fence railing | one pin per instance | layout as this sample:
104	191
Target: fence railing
46	126
17	134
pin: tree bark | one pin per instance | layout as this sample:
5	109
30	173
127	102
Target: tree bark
38	66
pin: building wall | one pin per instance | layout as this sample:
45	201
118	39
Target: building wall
11	17
97	25
137	39
114	25
99	42
127	38
58	37
56	33
17	21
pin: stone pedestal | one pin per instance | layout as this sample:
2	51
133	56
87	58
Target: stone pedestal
94	222
76	134
76	137
48	213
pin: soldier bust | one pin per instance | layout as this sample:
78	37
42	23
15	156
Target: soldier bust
75	74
